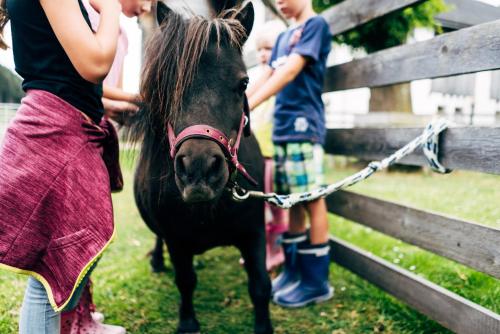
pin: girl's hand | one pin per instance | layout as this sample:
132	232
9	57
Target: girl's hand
103	5
119	111
137	99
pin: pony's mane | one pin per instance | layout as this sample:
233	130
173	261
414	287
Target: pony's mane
171	61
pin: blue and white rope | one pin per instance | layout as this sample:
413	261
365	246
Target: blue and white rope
429	140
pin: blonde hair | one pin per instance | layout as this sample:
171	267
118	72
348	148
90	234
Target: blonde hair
4	18
269	32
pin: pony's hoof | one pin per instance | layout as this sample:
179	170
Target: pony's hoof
179	331
269	331
189	327
266	330
157	267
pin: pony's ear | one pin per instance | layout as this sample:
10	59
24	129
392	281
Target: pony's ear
162	12
246	17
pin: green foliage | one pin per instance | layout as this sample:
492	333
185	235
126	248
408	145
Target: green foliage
390	30
10	87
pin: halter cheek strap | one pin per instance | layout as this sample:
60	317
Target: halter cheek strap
229	148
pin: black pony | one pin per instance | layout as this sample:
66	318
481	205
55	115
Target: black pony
194	75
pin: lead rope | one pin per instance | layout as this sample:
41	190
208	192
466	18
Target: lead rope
428	140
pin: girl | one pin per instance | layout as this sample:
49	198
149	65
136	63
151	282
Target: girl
118	104
56	173
262	124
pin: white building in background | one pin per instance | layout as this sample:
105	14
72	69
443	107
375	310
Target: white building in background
467	99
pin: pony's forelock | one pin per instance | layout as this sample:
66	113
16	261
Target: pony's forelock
172	57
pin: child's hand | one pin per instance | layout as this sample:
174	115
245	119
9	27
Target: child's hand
119	111
104	5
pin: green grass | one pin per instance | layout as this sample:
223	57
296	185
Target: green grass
130	295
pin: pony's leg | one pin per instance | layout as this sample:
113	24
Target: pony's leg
157	261
259	284
185	279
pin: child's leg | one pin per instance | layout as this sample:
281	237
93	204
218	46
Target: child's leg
319	221
37	315
276	222
77	316
297	222
313	256
313	262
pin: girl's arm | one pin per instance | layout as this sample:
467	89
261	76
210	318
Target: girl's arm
91	54
119	111
278	80
114	93
265	74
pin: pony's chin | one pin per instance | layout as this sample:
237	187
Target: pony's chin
198	194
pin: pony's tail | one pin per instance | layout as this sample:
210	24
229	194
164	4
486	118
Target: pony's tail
4	18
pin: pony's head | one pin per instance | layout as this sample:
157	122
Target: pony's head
194	81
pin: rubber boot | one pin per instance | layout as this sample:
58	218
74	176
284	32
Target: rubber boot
81	321
290	274
313	261
97	316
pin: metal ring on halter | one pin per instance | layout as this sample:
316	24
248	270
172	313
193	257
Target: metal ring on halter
240	197
431	150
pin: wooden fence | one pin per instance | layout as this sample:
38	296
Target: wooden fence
468	148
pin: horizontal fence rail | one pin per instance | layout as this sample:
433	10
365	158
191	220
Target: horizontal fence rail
468	50
471	244
467	148
447	308
352	13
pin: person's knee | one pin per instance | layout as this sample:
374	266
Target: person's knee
316	206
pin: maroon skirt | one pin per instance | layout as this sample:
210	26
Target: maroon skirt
56	215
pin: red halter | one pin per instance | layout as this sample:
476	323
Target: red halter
229	148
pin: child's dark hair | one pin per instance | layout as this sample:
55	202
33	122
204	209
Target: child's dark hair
4	18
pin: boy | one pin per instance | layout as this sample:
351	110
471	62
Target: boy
295	75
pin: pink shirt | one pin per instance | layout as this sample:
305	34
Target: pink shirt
114	75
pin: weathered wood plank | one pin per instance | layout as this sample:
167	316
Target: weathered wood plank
466	13
352	13
467	148
468	50
471	244
450	310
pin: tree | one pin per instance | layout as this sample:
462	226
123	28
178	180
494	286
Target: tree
10	87
388	31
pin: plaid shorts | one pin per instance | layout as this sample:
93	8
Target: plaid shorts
298	167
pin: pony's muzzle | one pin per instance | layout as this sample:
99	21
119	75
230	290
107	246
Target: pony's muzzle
201	170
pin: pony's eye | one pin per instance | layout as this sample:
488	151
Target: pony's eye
242	87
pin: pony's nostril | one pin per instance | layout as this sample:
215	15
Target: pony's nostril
216	164
180	164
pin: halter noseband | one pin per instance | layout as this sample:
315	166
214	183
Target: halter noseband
227	145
